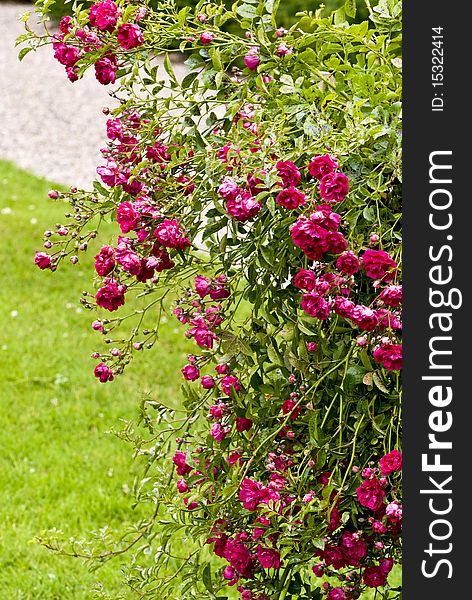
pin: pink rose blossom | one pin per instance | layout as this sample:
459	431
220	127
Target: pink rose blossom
105	69
322	165
291	198
103	373
348	263
391	462
190	372
378	264
228	383
105	261
336	593
42	260
370	494
219	432
182	486
288	172
374	577
334	187
390	356
111	296
315	306
243	207
130	36
104	15
127	217
268	558
207	382
392	295
243	424
179	459
206	37
252	59
169	234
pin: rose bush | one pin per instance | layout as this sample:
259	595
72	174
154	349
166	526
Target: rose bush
262	208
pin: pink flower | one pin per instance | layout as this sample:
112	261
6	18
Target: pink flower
169	234
202	285
65	24
217	411
105	260
334	187
268	558
322	165
127	217
365	318
378	527
288	407
291	198
394	511
179	459
288	172
230	382
370	494
344	307
392	295
243	207
243	424
336	593
222	368
190	372
391	462
111	296
356	549
348	263
318	570
207	382
386	565
305	280
206	37
114	129
283	50
182	486
66	55
105	69
103	373
251	493
315	306
334	556
42	260
228	188
104	15
130	36
219	432
374	577
378	264
251	59
390	356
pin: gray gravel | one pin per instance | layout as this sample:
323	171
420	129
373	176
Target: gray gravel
48	125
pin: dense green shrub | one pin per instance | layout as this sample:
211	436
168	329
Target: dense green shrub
260	205
286	15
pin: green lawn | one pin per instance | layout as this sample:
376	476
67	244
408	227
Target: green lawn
58	466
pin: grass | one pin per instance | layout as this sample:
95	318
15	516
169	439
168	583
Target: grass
58	466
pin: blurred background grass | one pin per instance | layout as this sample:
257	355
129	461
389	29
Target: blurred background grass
58	466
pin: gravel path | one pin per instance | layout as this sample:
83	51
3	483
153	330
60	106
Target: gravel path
48	125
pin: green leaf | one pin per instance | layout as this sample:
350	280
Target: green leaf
23	52
350	8
247	11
